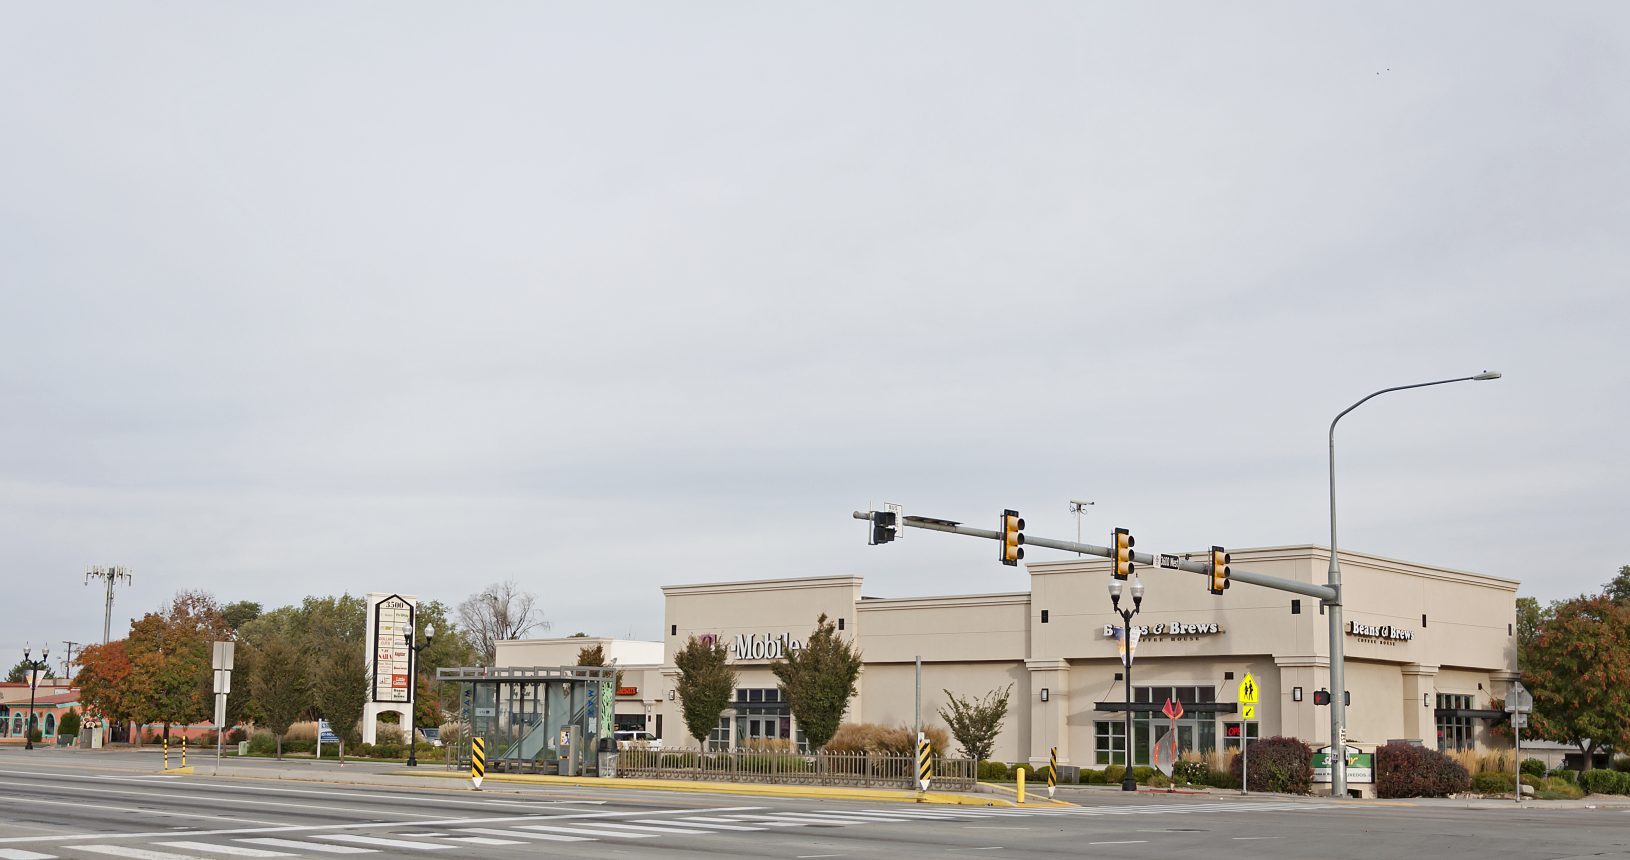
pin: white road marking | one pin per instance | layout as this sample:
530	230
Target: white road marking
698	822
643	828
233	850
767	821
17	854
1121	842
590	832
102	807
381	841
840	817
137	853
1243	838
311	846
482	840
525	834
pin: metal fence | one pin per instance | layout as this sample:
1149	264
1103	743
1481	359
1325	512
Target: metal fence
870	770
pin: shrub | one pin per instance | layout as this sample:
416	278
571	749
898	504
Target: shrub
994	771
1088	776
1533	766
1566	775
1623	783
1557	788
387	735
1222	778
70	723
1113	774
35	735
874	737
1599	781
1490	782
263	743
207	739
1622	763
1144	774
238	735
1191	773
1405	770
1278	764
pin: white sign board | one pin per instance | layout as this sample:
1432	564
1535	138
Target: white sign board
389	620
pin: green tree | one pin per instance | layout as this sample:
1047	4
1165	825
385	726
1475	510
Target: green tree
240	613
280	686
706	683
976	723
1617	589
1530	616
342	691
818	680
19	673
1579	672
69	727
169	654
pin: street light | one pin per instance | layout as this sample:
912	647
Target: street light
413	694
1128	781
34	667
1338	681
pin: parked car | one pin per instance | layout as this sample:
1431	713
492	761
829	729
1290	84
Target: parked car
637	739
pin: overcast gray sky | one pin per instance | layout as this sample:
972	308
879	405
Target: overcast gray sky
305	297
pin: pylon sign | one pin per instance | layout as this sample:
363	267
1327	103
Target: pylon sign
925	762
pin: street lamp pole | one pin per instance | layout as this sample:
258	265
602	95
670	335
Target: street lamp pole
1128	781
34	667
413	678
1338	657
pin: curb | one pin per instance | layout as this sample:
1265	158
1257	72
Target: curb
940	798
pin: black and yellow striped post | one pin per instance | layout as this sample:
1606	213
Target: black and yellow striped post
183	750
925	763
478	762
166	752
1052	773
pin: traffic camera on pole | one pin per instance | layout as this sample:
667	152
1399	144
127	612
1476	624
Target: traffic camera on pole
1121	543
1012	535
1219	570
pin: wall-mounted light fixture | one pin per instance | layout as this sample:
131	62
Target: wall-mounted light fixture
1426	700
1296	694
670	695
1044	694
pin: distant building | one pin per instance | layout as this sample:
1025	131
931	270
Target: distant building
53	699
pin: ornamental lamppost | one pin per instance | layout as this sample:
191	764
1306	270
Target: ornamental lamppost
1128	781
413	678
34	667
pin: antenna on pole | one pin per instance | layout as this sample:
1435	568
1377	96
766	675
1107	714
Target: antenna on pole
109	576
68	659
1079	508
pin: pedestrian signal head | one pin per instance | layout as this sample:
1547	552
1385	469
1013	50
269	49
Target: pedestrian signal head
1121	543
1321	697
1219	570
1011	534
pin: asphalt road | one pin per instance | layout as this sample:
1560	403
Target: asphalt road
69	805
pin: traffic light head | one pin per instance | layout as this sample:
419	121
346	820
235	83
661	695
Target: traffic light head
1219	570
1121	543
883	527
1011	535
1321	697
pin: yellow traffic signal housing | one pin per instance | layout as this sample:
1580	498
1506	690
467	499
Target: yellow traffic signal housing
1219	570
1121	543
1012	537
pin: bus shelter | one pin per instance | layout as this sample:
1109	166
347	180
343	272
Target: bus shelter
539	719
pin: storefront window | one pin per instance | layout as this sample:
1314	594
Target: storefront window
1455	732
1232	732
719	738
1110	744
1196	731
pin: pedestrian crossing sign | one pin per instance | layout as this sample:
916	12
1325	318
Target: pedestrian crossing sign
1248	690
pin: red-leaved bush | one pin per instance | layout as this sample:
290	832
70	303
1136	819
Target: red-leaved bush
1279	764
1406	770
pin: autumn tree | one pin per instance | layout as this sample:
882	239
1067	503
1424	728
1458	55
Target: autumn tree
280	687
706	683
1578	669
104	682
595	656
498	612
976	723
818	680
169	654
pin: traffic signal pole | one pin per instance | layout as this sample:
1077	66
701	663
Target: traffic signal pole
1321	592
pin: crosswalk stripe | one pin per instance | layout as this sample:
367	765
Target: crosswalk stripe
381	841
524	834
224	849
588	831
647	829
834	816
483	840
137	853
309	846
689	823
20	854
771	822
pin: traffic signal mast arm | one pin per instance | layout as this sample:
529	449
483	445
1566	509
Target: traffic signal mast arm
1322	592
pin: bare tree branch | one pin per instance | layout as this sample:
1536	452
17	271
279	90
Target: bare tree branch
498	612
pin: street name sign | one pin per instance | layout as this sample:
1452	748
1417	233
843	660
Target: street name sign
1167	561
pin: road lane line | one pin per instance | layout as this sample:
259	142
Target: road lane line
132	810
225	849
647	829
137	853
697	822
483	840
525	834
1121	842
588	831
310	846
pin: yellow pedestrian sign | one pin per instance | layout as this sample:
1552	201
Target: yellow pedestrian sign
1247	690
1247	712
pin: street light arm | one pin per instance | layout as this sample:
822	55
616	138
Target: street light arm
1371	396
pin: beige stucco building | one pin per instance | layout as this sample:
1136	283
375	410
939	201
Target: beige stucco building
1428	648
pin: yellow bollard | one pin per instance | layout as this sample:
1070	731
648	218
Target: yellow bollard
166	752
183	750
1020	772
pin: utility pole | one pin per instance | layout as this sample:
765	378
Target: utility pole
109	576
68	659
1079	508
